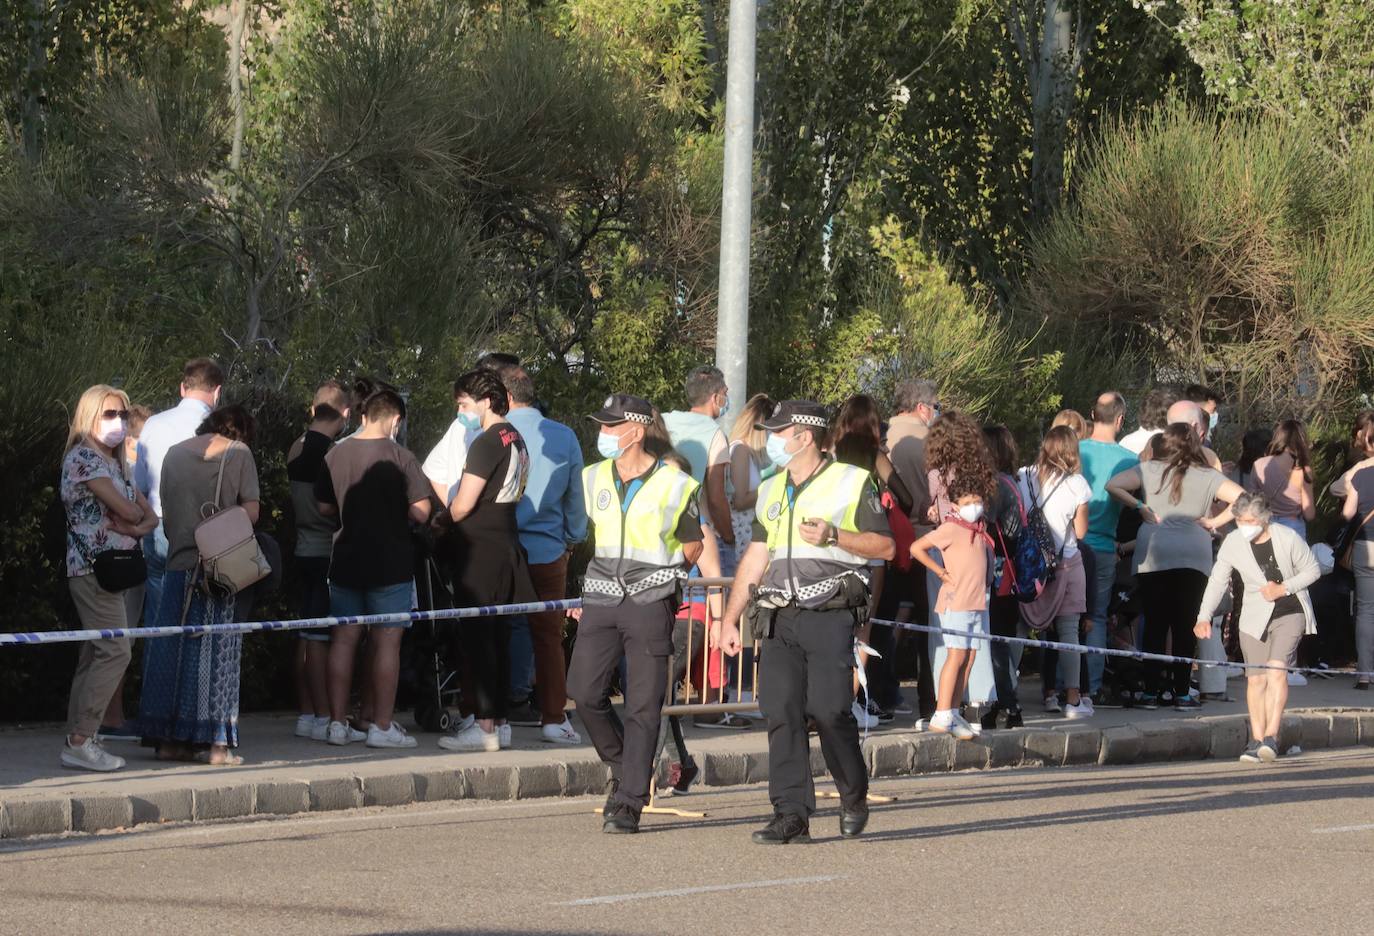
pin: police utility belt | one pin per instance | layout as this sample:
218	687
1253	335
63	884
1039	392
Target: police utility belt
615	589
851	593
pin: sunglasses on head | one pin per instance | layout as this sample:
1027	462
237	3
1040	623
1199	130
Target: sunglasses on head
114	414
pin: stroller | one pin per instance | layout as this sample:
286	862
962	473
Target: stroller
1123	679
434	665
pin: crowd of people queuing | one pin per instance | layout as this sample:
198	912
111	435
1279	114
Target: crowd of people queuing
505	497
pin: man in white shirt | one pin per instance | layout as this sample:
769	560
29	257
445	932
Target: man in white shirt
1153	410
201	382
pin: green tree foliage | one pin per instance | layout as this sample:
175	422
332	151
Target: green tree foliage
1235	252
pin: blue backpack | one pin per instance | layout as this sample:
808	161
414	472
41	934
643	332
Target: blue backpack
1034	559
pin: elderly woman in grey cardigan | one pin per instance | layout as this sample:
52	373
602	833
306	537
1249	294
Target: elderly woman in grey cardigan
1276	567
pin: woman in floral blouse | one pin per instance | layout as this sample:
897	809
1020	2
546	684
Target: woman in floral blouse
104	512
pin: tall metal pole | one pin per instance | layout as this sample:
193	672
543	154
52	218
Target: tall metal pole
732	323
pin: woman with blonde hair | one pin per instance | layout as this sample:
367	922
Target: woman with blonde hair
1055	487
106	518
1074	420
744	472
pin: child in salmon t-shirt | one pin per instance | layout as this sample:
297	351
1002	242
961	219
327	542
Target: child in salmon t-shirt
962	604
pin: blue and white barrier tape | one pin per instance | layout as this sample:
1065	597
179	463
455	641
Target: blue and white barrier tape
246	627
1108	651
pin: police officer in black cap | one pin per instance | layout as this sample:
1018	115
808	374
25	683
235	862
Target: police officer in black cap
646	534
804	583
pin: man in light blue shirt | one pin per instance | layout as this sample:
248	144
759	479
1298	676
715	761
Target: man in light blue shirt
697	436
552	518
1102	459
201	382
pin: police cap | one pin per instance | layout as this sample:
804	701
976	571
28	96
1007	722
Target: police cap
621	408
806	413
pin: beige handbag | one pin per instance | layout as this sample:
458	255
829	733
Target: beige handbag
230	558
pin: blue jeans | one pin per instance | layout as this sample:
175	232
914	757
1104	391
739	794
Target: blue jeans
1297	524
982	685
521	659
1100	585
155	555
385	599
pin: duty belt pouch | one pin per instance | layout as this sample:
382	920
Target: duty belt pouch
759	617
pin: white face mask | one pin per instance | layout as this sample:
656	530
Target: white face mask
1250	531
971	513
111	432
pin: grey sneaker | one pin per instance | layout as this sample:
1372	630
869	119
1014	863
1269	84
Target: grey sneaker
1268	750
1251	753
90	756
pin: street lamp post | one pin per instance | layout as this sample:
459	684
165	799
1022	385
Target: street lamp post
732	322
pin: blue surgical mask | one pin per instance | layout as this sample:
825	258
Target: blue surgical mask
1212	422
471	421
609	445
777	450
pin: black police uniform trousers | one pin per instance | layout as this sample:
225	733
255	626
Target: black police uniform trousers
643	635
806	670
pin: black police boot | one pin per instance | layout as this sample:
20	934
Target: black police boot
620	820
783	830
612	786
852	821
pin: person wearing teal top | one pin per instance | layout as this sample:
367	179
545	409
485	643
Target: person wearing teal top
1102	458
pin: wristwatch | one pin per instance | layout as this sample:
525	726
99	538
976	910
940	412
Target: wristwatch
834	538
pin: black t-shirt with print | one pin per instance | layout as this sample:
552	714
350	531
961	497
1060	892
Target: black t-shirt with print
1269	565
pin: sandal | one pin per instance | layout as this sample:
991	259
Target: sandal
228	760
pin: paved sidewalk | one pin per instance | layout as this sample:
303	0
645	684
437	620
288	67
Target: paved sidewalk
284	774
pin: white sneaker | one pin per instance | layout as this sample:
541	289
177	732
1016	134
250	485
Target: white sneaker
1297	679
90	756
393	737
952	726
974	728
560	734
462	724
1052	704
865	720
503	735
471	738
320	730
305	724
1079	711
341	733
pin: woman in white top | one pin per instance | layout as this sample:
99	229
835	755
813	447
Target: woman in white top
1055	485
745	469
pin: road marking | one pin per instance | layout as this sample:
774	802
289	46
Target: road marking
1347	828
708	889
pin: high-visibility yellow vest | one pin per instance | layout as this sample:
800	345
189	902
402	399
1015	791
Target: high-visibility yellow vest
796	569
636	551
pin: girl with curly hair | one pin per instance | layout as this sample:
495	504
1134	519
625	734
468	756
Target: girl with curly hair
962	477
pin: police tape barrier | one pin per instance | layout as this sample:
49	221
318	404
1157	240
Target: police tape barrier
248	627
1109	651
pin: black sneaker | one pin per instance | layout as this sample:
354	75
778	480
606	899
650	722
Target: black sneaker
620	820
1269	750
1251	753
883	715
1186	703
1014	718
784	829
524	715
988	719
612	788
1148	701
727	722
1105	698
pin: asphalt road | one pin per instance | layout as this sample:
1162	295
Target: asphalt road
1195	848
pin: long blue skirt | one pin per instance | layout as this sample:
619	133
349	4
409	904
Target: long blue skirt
191	683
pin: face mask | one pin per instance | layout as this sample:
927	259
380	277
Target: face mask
725	406
777	451
111	432
1212	420
1249	530
471	421
609	445
971	513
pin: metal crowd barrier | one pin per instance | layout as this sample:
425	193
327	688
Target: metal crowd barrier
685	696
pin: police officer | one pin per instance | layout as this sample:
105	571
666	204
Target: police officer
818	524
647	535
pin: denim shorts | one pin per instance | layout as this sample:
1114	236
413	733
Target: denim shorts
973	622
386	599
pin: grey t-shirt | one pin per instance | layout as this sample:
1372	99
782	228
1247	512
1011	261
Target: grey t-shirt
1177	541
1363	482
188	484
